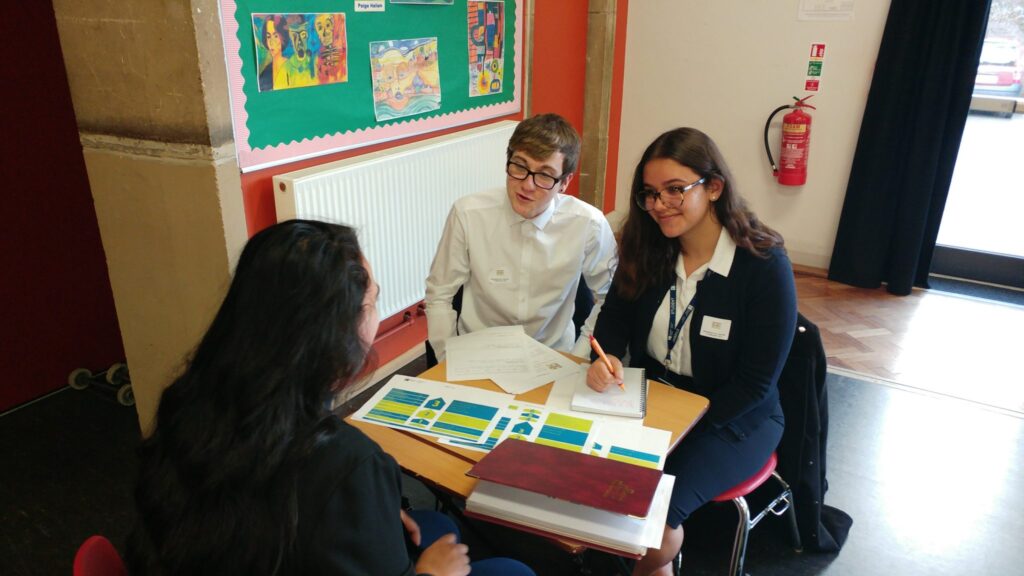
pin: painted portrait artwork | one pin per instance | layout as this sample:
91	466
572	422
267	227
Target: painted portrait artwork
298	50
486	25
406	77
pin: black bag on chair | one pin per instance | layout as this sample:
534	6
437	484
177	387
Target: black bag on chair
801	452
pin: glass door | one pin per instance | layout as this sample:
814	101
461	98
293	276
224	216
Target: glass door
981	237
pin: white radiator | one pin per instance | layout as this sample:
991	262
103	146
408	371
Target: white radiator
397	200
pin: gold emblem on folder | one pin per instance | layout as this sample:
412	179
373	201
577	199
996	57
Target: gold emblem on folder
618	491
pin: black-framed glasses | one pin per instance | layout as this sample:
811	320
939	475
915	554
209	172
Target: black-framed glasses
540	179
670	196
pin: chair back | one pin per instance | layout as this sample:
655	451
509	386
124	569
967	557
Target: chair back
584	305
98	557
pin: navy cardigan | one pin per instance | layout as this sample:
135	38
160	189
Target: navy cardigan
739	375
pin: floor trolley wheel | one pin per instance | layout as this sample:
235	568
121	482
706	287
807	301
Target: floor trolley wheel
125	395
117	374
79	378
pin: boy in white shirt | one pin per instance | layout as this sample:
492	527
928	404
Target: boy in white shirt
519	253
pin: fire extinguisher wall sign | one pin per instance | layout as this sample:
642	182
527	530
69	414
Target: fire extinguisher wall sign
796	141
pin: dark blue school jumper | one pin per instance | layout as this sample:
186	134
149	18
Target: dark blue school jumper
738	375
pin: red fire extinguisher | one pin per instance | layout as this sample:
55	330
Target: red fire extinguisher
796	140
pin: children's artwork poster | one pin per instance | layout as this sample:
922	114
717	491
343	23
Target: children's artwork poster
486	24
406	77
299	50
301	82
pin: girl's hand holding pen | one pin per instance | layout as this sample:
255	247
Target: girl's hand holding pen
609	372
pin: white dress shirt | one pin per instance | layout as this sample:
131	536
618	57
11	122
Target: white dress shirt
516	271
686	289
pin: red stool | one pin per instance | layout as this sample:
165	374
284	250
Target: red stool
782	504
98	557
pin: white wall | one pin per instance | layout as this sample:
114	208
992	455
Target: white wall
722	67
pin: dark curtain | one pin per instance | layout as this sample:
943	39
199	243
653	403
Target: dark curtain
909	138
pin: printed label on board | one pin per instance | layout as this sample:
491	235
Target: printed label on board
369	5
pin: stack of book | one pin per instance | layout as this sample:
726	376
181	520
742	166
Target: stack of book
604	504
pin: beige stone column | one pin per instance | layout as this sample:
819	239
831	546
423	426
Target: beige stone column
597	100
150	94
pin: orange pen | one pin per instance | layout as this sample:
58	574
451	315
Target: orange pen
601	354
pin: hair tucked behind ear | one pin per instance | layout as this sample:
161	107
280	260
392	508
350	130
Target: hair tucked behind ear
646	257
216	491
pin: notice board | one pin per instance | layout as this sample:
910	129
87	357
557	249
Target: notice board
319	76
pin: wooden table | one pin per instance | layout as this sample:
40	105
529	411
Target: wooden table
444	467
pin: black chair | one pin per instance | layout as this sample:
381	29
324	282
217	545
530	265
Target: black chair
584	305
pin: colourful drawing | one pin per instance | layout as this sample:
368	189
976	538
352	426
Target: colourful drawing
566	432
480	420
642	446
296	50
464	420
406	77
432	408
637	457
492	438
403	408
398	407
486	27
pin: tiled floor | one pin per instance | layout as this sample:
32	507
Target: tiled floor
931	482
959	346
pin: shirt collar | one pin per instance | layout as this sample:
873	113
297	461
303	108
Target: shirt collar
721	259
725	251
539	221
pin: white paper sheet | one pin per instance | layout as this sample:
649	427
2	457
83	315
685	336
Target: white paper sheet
623	437
487	353
546	364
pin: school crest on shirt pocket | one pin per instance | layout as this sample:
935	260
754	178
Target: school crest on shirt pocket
500	275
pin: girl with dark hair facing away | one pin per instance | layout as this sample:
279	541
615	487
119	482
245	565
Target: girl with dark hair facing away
704	300
247	470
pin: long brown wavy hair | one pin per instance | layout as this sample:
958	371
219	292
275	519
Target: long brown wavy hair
646	257
218	479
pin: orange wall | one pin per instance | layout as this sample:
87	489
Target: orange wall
615	114
558	77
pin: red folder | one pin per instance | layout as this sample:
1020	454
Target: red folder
579	478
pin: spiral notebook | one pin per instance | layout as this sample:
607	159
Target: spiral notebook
631	402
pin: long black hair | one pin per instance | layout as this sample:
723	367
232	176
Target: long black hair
646	257
216	491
